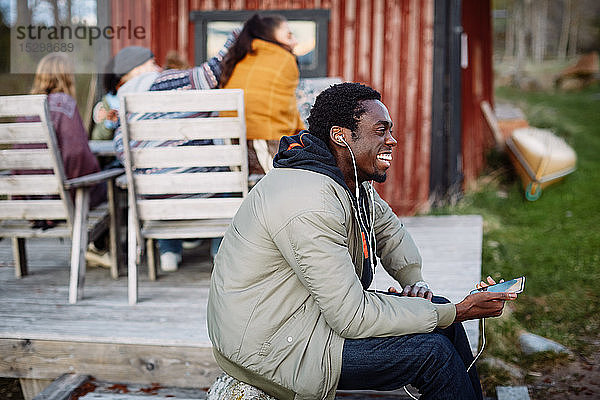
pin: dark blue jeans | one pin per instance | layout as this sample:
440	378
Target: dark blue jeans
435	363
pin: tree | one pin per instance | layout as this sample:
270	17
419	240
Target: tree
509	35
520	33
24	14
539	16
561	51
574	30
58	6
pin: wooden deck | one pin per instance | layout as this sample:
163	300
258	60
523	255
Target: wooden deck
163	339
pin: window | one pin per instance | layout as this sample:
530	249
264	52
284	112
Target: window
309	27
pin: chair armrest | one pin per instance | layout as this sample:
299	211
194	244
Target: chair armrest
102	147
122	182
93	179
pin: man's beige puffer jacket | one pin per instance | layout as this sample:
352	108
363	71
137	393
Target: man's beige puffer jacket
285	290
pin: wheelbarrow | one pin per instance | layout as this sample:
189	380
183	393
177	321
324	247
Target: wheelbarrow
541	159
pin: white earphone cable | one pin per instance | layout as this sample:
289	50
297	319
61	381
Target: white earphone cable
372	233
409	393
358	214
482	344
353	165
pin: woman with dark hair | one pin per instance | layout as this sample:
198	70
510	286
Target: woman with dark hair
262	63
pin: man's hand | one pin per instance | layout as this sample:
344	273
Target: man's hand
112	115
482	305
414	291
490	282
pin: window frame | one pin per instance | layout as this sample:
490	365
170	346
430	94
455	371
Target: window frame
320	17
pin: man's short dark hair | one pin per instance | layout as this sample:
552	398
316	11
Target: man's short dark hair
339	105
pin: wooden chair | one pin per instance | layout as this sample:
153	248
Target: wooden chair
26	194
179	211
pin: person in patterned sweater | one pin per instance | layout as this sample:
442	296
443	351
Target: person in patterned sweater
135	70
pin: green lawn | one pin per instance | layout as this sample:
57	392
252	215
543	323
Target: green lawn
554	241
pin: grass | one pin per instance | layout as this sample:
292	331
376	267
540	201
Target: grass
554	241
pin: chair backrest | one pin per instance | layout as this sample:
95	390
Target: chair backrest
201	155
31	168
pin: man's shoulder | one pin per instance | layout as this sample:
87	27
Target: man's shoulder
298	181
297	191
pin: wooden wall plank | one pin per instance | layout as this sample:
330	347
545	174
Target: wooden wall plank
136	13
424	117
364	42
183	13
393	92
477	86
334	58
349	32
408	108
377	22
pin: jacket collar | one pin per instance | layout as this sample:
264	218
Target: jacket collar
260	44
306	151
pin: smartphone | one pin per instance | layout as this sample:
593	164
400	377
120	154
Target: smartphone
516	285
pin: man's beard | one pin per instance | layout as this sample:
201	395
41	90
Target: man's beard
379	178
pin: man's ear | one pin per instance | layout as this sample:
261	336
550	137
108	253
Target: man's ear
337	134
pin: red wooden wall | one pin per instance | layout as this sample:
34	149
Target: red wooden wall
385	44
477	85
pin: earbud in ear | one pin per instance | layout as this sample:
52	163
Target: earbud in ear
338	136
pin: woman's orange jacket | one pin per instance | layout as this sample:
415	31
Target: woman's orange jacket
269	78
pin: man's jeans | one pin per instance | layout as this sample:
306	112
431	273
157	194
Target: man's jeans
435	363
176	246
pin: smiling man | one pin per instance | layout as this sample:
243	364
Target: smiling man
289	311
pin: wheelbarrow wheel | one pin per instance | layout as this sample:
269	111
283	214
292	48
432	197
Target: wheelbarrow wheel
533	191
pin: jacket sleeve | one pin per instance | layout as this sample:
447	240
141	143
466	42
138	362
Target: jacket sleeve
314	244
214	65
395	247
